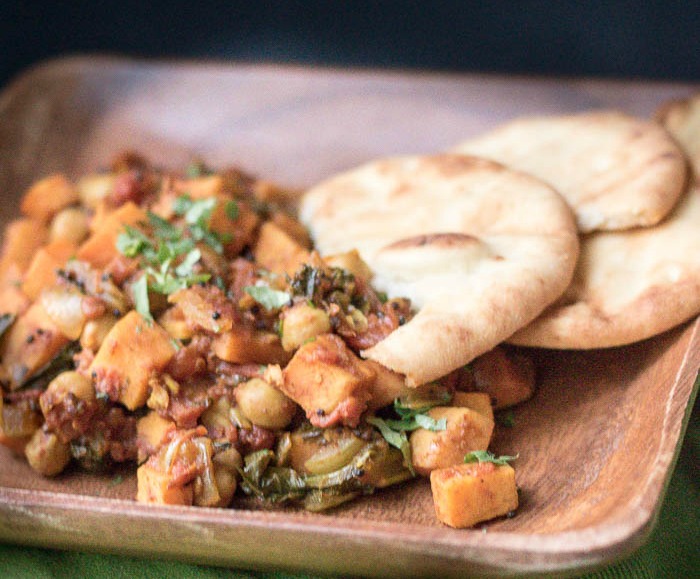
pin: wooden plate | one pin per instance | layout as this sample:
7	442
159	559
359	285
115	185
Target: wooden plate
597	444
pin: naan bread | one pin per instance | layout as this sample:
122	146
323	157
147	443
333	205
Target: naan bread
480	249
682	119
628	285
616	171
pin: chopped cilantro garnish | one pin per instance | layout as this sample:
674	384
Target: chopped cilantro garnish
270	299
486	456
394	430
397	439
231	209
140	292
169	255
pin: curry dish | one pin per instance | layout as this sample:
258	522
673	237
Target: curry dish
183	323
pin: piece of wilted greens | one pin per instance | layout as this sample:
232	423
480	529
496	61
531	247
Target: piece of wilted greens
410	418
374	465
61	362
486	456
269	298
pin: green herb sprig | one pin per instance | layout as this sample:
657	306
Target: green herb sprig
410	419
169	254
486	456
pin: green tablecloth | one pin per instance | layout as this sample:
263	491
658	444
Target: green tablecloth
673	550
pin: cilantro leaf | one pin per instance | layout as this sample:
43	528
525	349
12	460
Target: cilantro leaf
396	439
132	242
185	268
140	291
429	423
486	456
267	297
162	228
231	209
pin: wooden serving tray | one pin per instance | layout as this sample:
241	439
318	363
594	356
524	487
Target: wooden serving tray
597	444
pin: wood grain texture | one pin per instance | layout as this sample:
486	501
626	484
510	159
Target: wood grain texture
597	444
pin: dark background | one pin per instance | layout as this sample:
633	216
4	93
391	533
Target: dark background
611	39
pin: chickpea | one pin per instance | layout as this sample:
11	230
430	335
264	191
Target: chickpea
95	331
70	225
301	323
46	454
66	383
264	405
74	383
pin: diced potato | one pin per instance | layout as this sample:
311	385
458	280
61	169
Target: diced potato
293	228
48	196
201	187
467	494
42	269
479	401
13	300
18	422
30	344
301	323
174	322
131	352
152	431
350	261
467	430
243	345
23	237
329	382
276	251
205	308
238	231
100	248
387	386
508	378
155	486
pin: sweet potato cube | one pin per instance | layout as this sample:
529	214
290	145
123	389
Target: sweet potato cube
42	270
155	486
243	345
31	343
132	350
467	494
237	232
23	237
277	251
101	247
509	378
328	381
467	430
13	300
48	196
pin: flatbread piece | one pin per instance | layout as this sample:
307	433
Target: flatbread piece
628	286
682	119
480	249
616	171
